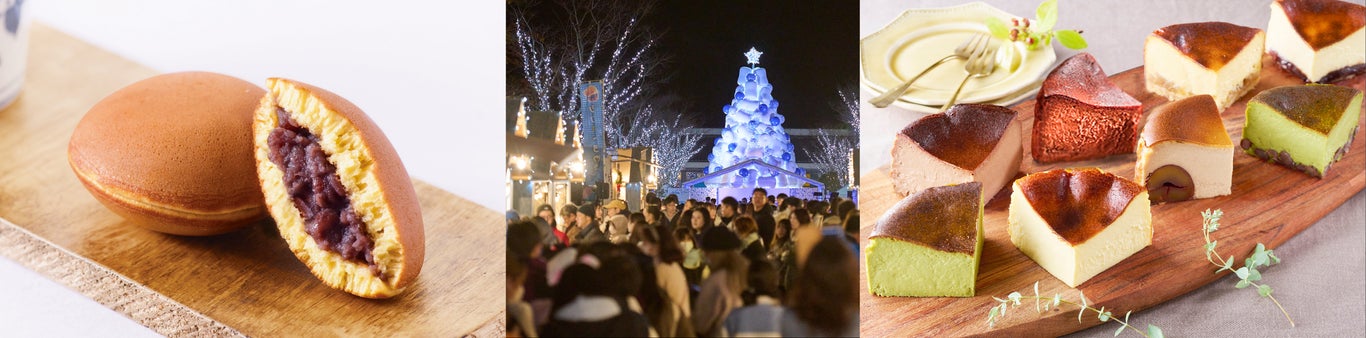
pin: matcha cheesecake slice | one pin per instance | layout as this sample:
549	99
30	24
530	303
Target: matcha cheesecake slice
1305	127
928	245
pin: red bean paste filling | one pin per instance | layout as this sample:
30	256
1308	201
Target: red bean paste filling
318	193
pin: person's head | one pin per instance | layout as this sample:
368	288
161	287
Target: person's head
691	203
686	241
763	281
660	244
728	207
547	213
745	225
511	216
617	226
599	212
670	204
569	212
700	218
621	276
523	240
792	202
516	277
577	279
760	198
800	218
844	208
722	249
586	214
817	207
781	198
851	225
614	207
782	231
824	294
637	217
657	215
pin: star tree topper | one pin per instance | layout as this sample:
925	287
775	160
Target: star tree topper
753	56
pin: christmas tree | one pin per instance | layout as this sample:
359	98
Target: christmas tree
754	130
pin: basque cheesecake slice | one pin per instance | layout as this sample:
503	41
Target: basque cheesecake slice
1077	223
967	143
1318	40
1184	152
1219	59
1304	127
928	245
1080	115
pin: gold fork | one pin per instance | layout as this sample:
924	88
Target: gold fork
979	64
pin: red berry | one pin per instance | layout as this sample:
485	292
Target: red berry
1029	40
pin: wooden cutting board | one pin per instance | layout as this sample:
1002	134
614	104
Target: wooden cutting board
243	283
1269	204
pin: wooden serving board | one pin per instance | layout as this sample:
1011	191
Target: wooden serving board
1268	204
242	283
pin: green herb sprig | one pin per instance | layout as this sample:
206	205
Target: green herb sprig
1248	275
1045	303
1039	32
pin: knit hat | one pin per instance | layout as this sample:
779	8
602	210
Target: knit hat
720	238
588	209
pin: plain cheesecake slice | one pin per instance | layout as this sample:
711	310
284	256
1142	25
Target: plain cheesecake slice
1219	59
967	143
1076	223
928	245
1184	152
1320	41
1304	127
1081	115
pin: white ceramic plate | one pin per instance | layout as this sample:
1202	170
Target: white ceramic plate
919	37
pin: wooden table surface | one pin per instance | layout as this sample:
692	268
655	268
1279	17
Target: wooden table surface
1268	204
242	283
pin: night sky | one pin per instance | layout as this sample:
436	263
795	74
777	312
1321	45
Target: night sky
810	50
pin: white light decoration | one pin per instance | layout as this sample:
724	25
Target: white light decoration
753	56
754	130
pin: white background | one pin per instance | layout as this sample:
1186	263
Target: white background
430	73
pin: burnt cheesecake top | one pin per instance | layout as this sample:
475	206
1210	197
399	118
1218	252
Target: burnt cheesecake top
943	218
964	135
1212	44
1078	203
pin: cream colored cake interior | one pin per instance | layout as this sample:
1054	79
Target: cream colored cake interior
1210	167
356	169
1170	73
1282	38
1074	265
914	170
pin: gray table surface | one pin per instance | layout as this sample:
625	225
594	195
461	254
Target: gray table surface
1321	281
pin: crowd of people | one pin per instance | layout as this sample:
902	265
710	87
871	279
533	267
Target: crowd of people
758	266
